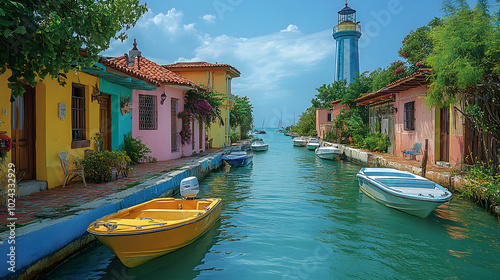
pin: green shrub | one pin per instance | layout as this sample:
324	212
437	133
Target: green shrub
377	142
135	149
235	137
482	184
98	167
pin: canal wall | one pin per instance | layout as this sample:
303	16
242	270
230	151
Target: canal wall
35	248
443	178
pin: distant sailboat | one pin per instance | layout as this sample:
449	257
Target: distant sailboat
261	131
280	124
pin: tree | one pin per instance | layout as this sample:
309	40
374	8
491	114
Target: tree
329	93
40	38
465	67
241	114
307	122
418	44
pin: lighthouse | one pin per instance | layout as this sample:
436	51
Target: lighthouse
346	35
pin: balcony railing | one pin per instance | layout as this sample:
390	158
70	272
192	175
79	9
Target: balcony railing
336	28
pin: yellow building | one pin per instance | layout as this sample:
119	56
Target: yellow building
218	77
49	119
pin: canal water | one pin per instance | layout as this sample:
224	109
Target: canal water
293	216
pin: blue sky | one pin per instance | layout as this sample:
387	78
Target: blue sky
283	49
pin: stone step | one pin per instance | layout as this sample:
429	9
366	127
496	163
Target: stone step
28	187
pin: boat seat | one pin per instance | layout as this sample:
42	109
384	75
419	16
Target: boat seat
167	214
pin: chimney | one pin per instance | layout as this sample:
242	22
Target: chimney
132	54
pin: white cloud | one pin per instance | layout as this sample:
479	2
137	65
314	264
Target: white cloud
170	22
291	28
209	18
266	62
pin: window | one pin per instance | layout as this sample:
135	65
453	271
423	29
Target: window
78	121
148	115
410	116
329	117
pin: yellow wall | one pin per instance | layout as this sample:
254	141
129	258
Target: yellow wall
218	81
53	135
5	120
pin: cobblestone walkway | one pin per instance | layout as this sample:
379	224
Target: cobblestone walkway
75	194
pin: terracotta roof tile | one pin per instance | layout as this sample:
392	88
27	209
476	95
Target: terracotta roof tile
151	70
129	71
198	64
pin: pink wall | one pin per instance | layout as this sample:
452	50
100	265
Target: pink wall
424	123
336	109
321	118
159	141
457	124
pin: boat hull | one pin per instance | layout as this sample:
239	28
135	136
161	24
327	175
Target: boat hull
136	248
329	156
411	204
238	161
260	148
299	143
312	147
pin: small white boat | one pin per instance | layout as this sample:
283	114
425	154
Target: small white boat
259	146
402	190
327	152
312	144
299	142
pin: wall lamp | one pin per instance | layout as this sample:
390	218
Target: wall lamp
163	97
394	109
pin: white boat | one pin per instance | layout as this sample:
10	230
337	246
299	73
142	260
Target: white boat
259	146
299	141
402	190
312	144
327	152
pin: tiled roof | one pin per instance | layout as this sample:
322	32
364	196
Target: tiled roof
149	69
337	101
129	71
200	64
412	81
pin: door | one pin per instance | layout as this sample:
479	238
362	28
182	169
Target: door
444	135
105	121
23	135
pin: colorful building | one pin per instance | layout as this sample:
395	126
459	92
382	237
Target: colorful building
46	120
155	112
323	122
218	77
399	111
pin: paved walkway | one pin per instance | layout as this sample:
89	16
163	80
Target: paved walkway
75	194
29	208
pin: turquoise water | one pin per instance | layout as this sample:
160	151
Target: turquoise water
293	216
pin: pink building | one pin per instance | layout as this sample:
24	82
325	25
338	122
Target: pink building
154	112
398	110
323	121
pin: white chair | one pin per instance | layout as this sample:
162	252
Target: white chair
71	165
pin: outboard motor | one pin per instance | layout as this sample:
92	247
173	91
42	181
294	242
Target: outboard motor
189	187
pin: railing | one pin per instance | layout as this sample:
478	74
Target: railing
336	28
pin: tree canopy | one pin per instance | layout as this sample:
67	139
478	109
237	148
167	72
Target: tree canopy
41	38
241	114
465	65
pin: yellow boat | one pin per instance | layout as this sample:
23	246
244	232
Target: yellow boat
155	228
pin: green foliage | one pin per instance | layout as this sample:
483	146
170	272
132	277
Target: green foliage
465	63
377	142
135	149
235	137
41	38
329	93
241	114
483	184
307	123
98	167
382	77
418	44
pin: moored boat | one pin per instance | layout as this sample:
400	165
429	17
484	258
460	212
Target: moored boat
259	146
312	144
157	227
299	141
402	190
238	159
327	152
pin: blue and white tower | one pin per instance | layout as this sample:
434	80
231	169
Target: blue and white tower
347	34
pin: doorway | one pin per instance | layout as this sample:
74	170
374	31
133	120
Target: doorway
23	135
444	135
105	121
